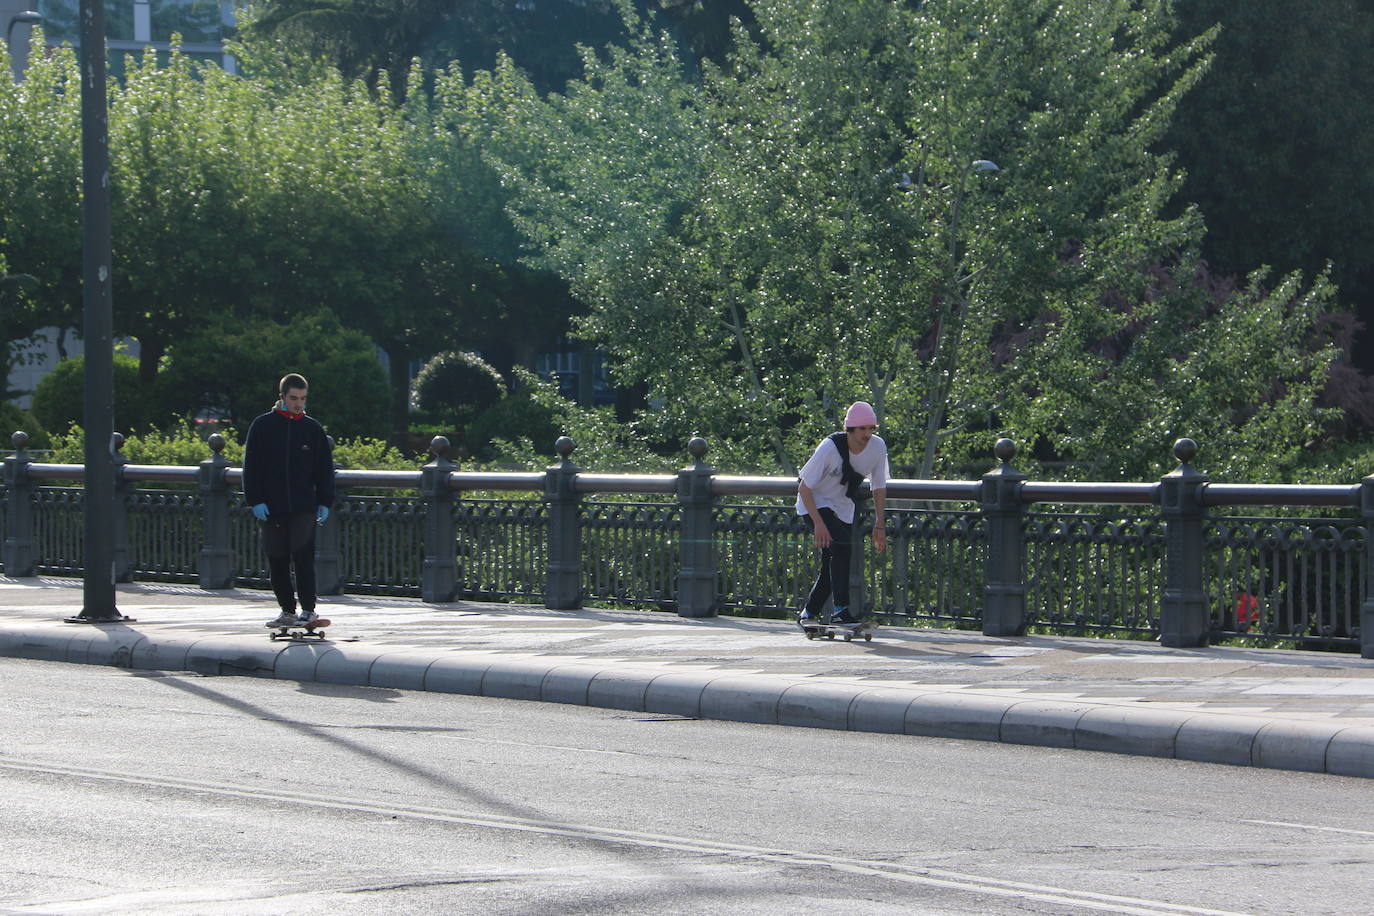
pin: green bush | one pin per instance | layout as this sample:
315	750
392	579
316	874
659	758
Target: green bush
233	366
184	446
371	455
181	446
456	386
59	399
515	418
14	418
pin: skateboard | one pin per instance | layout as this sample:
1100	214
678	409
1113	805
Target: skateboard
849	631
312	630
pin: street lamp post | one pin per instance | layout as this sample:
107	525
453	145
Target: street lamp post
98	598
27	17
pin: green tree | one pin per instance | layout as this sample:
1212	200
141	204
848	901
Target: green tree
1278	142
40	213
942	209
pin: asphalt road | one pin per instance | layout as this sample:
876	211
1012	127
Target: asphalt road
154	793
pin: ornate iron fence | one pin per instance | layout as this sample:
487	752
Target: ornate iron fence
1094	573
59	533
765	560
502	548
165	534
381	543
1153	560
934	569
1287	578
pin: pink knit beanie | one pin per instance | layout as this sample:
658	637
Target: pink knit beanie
860	414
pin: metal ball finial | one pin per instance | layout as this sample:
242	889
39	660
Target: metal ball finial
216	443
20	439
696	447
117	441
1185	450
438	446
564	446
1004	449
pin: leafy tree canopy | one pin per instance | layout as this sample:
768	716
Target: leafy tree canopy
948	209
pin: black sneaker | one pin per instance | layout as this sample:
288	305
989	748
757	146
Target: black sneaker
842	618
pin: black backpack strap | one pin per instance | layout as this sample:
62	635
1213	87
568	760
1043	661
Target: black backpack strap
849	478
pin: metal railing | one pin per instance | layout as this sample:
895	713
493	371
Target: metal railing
1004	554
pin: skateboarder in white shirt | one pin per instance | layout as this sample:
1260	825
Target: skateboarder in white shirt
824	494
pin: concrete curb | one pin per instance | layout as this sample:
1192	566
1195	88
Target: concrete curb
1321	746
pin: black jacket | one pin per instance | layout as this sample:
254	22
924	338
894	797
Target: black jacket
288	464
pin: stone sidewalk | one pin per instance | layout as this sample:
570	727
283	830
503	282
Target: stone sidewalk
1310	711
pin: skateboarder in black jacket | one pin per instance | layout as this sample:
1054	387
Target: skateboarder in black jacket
288	479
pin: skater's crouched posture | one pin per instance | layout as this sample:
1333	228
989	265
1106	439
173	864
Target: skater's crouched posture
825	492
288	479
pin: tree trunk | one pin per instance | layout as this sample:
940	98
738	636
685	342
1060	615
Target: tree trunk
398	370
149	358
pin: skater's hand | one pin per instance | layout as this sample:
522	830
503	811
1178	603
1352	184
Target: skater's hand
321	514
822	535
260	512
879	539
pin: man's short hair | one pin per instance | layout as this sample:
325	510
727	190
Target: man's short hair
289	381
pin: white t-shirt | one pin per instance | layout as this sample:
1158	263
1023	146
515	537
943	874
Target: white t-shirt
822	475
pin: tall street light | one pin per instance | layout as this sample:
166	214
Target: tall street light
98	598
27	17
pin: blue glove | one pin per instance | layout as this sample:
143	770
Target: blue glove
321	514
260	512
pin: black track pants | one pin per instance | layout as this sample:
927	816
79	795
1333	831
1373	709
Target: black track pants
289	540
834	574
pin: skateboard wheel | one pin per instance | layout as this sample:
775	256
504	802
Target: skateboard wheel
829	635
868	637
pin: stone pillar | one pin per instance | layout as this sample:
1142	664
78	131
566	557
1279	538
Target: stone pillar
20	555
696	578
1183	618
216	562
439	576
563	583
1004	592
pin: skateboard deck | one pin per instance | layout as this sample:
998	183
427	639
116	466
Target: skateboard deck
312	630
848	631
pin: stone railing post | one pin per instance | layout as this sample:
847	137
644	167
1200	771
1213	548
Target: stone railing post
696	578
1004	591
1184	620
563	583
20	556
216	562
439	576
119	518
1367	606
328	569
